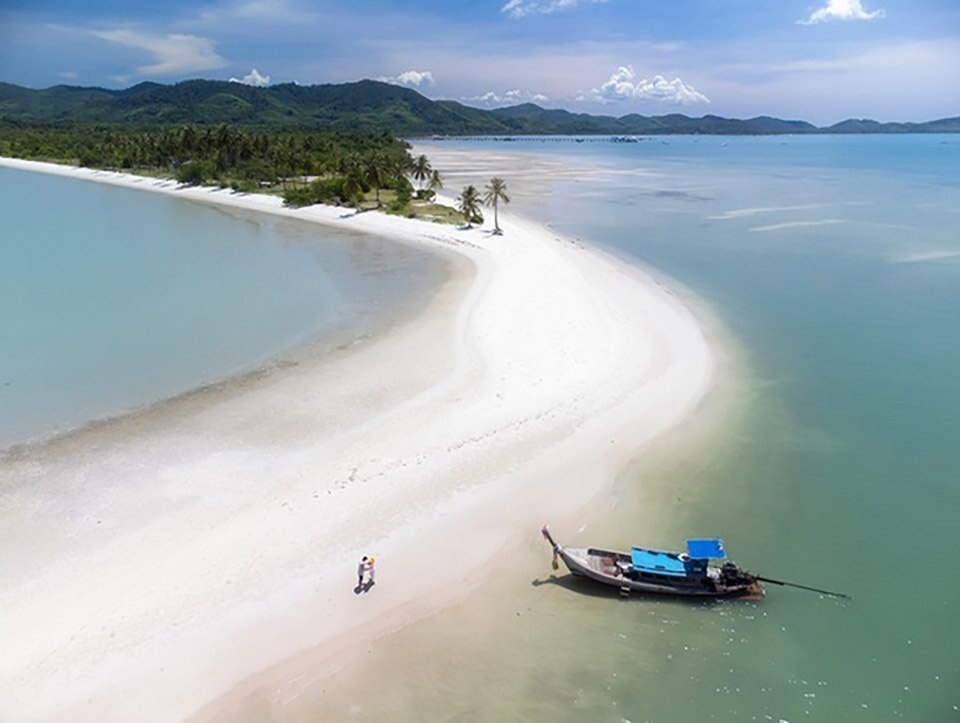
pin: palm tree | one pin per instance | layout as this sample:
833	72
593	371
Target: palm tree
352	168
496	191
421	170
435	182
188	142
397	165
468	203
376	170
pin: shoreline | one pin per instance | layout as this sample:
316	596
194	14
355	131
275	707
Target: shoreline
311	347
509	386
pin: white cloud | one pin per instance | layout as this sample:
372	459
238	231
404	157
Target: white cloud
853	79
69	75
841	10
623	84
253	78
523	8
488	98
411	79
510	97
916	258
267	10
273	12
174	54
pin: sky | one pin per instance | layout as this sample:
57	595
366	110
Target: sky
818	60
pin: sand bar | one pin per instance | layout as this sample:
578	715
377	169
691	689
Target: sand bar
153	563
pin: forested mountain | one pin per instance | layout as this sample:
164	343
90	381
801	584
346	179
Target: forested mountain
371	105
864	125
364	105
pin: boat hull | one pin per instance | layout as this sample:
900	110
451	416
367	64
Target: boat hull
602	567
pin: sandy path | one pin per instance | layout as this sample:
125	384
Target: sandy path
154	562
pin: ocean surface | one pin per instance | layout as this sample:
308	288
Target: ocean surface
829	456
112	298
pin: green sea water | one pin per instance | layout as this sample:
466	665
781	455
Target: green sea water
112	298
829	455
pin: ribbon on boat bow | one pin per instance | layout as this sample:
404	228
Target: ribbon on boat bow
545	531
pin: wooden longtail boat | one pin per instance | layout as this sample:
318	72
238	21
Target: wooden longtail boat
653	571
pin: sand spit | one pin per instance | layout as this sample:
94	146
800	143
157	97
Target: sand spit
152	564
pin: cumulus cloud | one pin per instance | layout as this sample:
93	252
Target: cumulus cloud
841	10
174	54
523	8
411	79
510	97
253	78
624	85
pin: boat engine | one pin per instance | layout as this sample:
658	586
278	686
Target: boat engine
731	575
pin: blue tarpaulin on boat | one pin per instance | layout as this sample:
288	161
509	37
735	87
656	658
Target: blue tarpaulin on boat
659	562
706	549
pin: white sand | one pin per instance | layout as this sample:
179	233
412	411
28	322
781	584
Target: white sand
152	563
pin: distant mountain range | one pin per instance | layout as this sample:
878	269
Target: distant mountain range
373	105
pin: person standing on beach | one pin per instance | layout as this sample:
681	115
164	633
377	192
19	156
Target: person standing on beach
371	572
361	570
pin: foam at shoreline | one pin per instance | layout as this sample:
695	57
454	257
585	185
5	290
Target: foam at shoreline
157	566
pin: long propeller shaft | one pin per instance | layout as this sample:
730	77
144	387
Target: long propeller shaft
804	587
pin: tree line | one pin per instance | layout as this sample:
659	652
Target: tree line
309	166
243	158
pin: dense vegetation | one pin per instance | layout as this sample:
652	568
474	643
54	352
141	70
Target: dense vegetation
363	169
245	159
367	105
372	105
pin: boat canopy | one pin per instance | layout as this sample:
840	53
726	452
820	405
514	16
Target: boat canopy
706	549
659	562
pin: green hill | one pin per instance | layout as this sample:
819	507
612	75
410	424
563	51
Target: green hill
365	105
371	105
865	125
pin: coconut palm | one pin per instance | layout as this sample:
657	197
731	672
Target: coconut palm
436	181
352	168
496	191
468	203
421	170
397	165
376	168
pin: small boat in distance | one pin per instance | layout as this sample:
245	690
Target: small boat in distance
655	571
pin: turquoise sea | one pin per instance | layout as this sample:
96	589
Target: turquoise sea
113	298
830	454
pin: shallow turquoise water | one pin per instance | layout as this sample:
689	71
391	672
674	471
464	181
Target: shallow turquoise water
113	298
834	263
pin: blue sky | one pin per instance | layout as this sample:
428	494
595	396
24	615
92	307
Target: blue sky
822	60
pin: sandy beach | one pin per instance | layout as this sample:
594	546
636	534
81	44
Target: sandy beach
156	562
